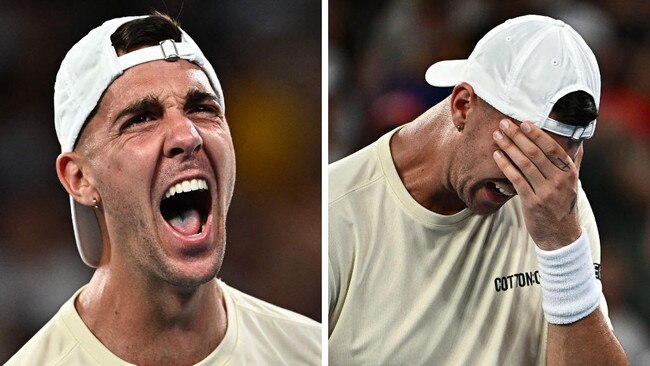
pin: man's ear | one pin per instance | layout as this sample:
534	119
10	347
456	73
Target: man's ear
461	98
70	170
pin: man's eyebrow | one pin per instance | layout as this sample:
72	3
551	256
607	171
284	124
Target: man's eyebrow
196	96
138	106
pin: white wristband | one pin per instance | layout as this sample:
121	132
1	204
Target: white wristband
570	290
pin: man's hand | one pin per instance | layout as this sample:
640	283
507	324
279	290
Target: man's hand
545	178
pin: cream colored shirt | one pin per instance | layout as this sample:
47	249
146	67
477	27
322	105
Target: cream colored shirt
411	287
258	333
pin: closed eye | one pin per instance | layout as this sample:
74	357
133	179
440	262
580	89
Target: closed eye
138	112
138	119
202	102
204	108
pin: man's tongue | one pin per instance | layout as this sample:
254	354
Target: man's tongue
186	222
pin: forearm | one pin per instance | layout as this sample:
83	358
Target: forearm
588	341
578	332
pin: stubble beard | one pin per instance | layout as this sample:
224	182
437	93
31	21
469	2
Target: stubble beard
173	274
151	262
143	251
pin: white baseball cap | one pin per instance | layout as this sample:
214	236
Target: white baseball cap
87	70
523	66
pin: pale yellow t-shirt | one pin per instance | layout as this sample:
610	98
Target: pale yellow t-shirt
410	287
258	333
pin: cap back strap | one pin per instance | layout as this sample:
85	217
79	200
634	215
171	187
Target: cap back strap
168	50
566	130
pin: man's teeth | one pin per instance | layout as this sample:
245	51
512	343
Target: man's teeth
503	190
187	186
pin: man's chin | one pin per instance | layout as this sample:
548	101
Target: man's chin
189	283
191	275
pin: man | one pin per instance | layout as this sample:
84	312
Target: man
148	161
464	237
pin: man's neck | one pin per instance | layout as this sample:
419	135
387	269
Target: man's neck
419	155
148	326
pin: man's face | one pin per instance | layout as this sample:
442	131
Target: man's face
158	130
477	179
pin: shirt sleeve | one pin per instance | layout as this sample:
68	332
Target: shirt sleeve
340	263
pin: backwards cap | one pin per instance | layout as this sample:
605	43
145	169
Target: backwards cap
523	66
86	72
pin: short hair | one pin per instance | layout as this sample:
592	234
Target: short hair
143	32
138	33
576	108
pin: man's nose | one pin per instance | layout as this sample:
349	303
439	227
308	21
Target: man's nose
182	137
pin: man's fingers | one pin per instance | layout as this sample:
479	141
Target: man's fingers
523	162
552	149
538	146
513	174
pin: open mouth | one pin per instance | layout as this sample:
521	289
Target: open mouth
501	189
186	206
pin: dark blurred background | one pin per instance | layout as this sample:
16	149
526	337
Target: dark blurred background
268	57
378	54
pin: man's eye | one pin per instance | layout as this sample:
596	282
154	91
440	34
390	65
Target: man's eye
204	108
140	118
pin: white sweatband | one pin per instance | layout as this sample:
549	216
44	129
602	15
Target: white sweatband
570	290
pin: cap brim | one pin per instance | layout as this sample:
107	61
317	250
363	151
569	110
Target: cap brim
86	233
445	73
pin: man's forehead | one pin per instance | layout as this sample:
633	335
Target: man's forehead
153	82
164	72
158	79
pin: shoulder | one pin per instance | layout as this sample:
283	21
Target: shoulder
356	183
264	314
51	345
588	222
353	172
260	308
271	332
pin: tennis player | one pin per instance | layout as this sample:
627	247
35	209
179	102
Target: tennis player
464	237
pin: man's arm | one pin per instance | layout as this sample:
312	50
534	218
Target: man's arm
588	341
546	179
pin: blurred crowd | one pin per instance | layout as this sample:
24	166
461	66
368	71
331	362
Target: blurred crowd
268	58
380	50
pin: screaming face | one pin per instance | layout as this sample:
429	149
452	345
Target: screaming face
159	154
